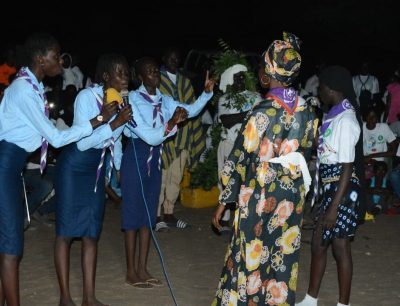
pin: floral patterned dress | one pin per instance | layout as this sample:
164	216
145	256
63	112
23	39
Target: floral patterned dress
261	263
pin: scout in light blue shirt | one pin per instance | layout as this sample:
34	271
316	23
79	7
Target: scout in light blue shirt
24	127
141	163
80	179
150	129
23	120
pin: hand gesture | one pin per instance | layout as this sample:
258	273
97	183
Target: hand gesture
179	116
217	216
124	115
108	110
329	218
209	83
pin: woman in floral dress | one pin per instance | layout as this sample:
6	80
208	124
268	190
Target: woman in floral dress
266	175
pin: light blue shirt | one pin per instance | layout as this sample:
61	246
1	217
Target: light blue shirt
24	123
86	108
143	115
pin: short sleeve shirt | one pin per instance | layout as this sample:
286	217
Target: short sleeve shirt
340	139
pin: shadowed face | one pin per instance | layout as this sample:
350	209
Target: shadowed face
371	119
118	78
325	94
150	75
172	61
51	62
239	82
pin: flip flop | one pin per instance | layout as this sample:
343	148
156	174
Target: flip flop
140	285
155	282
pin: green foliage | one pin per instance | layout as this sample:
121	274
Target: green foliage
205	174
223	61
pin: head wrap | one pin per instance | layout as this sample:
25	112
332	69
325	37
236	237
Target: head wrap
338	79
227	76
282	59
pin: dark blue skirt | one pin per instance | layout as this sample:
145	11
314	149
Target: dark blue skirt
134	215
12	162
79	210
349	207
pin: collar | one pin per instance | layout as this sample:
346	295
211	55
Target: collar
144	90
35	80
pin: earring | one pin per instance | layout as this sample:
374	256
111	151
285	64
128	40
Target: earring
265	80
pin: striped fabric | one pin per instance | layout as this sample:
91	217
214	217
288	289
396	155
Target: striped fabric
190	135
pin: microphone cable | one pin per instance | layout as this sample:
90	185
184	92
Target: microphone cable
160	255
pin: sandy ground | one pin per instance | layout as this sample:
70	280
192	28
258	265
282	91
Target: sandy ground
193	259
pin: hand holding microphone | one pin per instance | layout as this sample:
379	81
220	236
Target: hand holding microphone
122	99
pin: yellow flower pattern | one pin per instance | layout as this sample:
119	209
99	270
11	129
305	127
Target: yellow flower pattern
266	237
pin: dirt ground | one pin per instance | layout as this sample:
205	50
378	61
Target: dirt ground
193	259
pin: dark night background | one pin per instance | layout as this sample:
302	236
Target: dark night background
343	31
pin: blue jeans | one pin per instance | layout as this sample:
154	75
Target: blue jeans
395	181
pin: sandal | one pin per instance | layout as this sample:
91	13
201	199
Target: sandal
161	227
140	285
155	282
179	224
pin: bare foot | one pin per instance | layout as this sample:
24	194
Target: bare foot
147	277
67	303
93	302
134	278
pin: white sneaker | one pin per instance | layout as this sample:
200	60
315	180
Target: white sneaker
308	301
340	304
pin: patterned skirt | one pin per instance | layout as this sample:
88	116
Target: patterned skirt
349	207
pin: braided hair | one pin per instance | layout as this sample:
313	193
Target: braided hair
106	64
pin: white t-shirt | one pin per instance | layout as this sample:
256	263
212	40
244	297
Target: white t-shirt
231	134
172	77
371	84
312	85
340	139
376	140
72	76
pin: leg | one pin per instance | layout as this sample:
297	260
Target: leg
144	245
9	279
113	196
162	192
61	260
2	297
318	262
130	253
342	252
41	187
172	188
89	262
395	181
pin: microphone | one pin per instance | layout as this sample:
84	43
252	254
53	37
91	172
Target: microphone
125	101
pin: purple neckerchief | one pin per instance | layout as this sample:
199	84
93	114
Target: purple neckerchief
157	107
23	74
333	112
99	100
157	110
287	95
